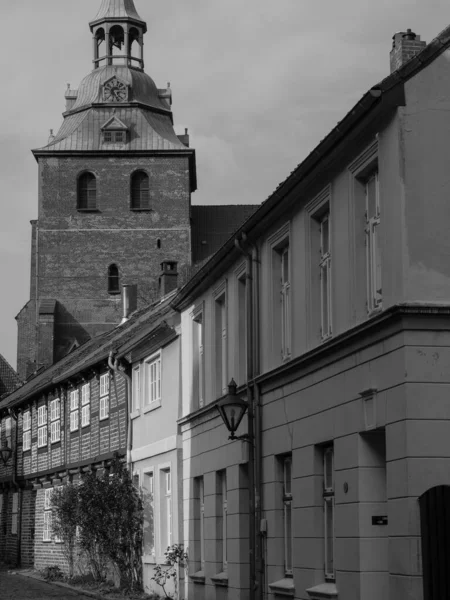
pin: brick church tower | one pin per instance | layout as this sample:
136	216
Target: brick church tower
115	188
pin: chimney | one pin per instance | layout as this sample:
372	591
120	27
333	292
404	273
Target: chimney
168	278
184	139
405	45
129	301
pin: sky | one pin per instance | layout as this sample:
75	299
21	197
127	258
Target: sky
258	83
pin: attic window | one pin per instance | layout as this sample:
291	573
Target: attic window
114	137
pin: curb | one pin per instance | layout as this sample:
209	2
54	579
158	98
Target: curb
67	586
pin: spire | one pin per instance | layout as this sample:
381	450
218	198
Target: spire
118	33
118	10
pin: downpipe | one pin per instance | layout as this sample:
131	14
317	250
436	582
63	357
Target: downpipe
115	365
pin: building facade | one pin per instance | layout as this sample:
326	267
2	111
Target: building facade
329	308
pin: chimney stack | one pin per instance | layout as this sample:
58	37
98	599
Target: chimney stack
168	280
129	301
405	45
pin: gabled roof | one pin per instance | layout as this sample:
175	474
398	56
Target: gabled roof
93	352
378	100
213	225
114	123
9	380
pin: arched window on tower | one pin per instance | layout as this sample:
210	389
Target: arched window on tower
140	191
116	42
113	279
87	192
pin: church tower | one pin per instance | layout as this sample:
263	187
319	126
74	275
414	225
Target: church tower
115	188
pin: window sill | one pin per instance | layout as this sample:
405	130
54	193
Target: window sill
220	579
323	591
283	587
135	413
198	577
141	209
55	442
374	311
85	425
152	406
88	210
104	418
149	559
74	430
114	293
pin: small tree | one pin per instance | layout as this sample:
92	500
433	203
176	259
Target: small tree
176	558
64	503
111	521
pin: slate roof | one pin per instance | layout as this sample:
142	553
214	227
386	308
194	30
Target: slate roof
9	380
83	132
93	352
117	9
213	225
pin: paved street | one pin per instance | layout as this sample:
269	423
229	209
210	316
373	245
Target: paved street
18	587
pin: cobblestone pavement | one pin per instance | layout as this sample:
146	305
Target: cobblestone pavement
17	587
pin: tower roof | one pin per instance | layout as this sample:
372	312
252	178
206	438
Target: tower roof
113	10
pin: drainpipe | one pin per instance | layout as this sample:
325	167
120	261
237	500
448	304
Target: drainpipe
254	427
114	364
13	415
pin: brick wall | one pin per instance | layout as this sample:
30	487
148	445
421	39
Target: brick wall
27	528
45	553
76	248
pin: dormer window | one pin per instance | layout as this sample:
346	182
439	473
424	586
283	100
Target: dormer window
114	131
114	137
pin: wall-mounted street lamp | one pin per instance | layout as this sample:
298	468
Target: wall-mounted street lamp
232	409
5	453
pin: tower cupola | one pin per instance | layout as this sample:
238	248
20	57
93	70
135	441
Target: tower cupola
118	35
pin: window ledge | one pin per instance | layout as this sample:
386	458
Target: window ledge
323	590
152	406
198	577
220	579
104	418
88	210
140	209
135	413
283	587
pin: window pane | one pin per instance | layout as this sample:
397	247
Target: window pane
371	191
325	235
329	536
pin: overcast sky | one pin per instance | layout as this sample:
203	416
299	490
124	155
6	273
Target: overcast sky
258	82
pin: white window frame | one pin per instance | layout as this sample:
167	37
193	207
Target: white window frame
55	421
26	427
373	260
136	388
221	340
15	513
287	516
153	381
85	405
74	404
198	367
42	426
223	483
164	509
285	299
325	277
150	475
47	529
201	502
104	396
328	505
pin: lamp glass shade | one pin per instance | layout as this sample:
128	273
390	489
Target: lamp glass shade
5	453
232	410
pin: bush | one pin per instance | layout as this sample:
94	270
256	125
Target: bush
52	573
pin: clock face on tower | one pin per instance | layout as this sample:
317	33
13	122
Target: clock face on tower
115	91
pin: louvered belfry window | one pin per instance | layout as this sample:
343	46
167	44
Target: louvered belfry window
87	192
140	191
